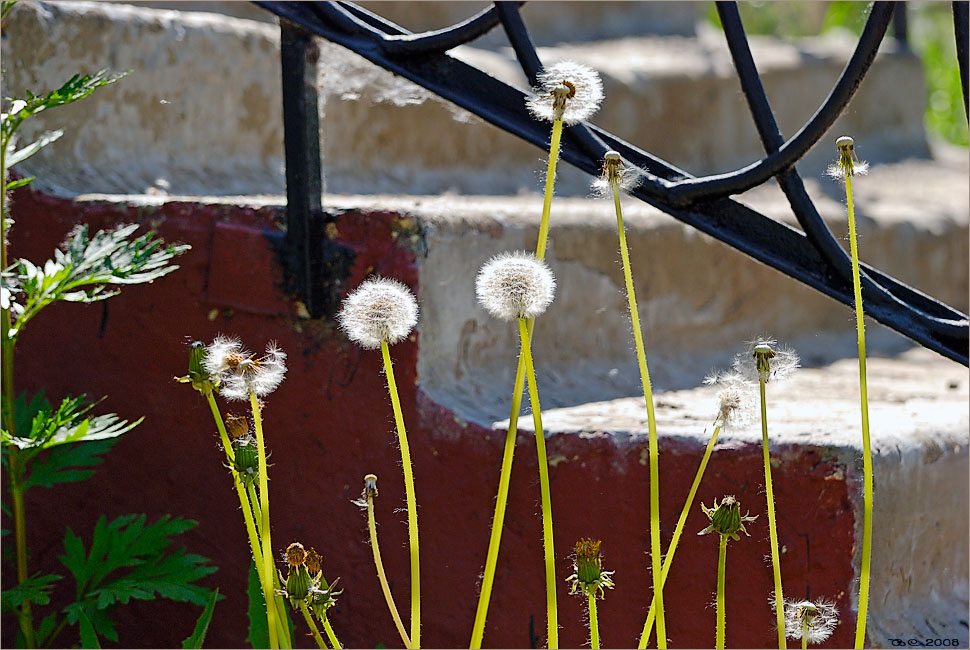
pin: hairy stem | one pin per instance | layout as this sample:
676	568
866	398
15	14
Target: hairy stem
271	613
860	630
721	614
678	530
330	635
312	625
402	437
375	547
772	527
594	625
549	548
550	184
655	556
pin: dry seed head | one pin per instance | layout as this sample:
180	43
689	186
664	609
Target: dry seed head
814	620
568	91
239	373
848	163
314	562
615	172
515	285
380	309
370	486
735	399
763	357
588	575
237	425
295	554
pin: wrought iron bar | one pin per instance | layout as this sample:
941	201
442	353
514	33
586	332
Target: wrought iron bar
901	25
960	29
929	322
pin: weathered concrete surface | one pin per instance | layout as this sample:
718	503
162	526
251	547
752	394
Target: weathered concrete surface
198	124
330	423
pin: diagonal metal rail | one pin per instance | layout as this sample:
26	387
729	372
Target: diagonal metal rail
811	255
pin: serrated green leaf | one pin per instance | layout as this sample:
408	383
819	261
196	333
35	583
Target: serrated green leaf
45	629
258	636
68	463
88	637
26	152
42	427
202	625
36	589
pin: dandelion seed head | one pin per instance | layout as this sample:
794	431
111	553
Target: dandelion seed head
615	171
239	373
816	620
223	354
735	399
380	309
567	90
515	285
764	356
848	163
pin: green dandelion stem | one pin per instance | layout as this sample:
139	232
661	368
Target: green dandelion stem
498	520
860	630
678	530
402	437
594	626
254	501
550	184
552	618
271	613
721	614
329	631
376	549
772	527
311	624
805	634
655	556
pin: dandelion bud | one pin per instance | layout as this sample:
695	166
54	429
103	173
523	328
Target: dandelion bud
379	310
198	375
515	285
298	584
314	562
726	518
295	554
246	456
567	91
237	425
323	599
370	486
588	565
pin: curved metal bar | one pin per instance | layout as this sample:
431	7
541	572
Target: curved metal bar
404	43
518	37
790	152
960	18
789	180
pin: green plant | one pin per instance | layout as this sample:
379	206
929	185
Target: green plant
590	579
44	445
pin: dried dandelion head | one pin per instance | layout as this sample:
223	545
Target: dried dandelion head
735	399
848	163
726	518
588	575
240	373
567	91
515	285
615	173
379	310
813	620
764	359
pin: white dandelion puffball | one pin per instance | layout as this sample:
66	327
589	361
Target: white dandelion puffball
239	373
735	399
379	310
782	361
585	92
814	620
515	285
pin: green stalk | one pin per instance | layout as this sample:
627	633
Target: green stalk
860	630
330	635
312	625
805	634
655	557
772	528
721	614
271	613
678	530
375	547
402	437
549	550
594	626
254	501
20	531
495	538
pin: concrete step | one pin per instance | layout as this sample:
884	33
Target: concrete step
186	122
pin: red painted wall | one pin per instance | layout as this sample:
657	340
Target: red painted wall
330	423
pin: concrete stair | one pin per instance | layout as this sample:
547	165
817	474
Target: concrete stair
426	192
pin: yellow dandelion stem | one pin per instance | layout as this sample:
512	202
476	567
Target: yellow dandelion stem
549	547
313	626
772	526
271	613
655	556
594	626
376	549
412	504
860	630
678	530
550	184
721	614
329	631
805	634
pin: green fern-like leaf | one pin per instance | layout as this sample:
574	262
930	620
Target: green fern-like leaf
42	427
36	589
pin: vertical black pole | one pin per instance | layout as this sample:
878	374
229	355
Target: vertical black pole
301	140
960	17
900	25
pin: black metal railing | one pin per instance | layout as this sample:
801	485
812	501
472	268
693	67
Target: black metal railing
811	255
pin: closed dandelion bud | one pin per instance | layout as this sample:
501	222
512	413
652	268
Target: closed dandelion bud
323	599
298	584
314	562
295	554
237	425
247	457
588	564
726	518
198	376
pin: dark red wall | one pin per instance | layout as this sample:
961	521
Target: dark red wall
330	423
